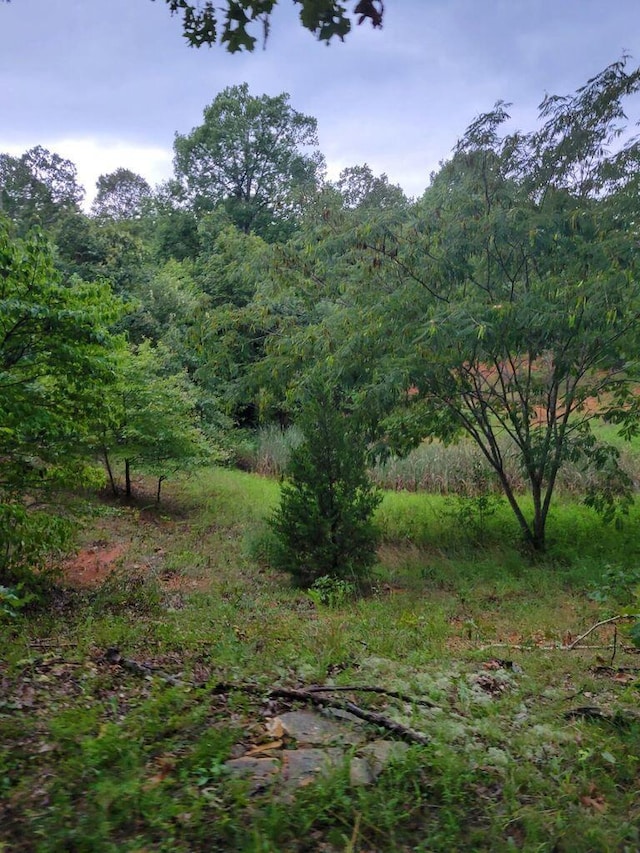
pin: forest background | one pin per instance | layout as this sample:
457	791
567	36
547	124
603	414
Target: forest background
498	312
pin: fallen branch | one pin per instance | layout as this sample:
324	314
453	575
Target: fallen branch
355	688
619	718
310	696
303	695
114	657
593	628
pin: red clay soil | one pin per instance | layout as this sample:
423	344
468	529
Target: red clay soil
91	566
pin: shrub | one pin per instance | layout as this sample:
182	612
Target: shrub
324	525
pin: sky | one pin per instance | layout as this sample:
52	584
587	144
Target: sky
108	83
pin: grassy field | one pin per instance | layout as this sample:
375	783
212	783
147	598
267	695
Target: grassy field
97	757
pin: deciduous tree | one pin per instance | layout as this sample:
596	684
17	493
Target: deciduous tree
509	308
57	358
121	195
255	156
37	188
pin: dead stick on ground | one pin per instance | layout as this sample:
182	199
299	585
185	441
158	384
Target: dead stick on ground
114	657
355	688
302	695
599	625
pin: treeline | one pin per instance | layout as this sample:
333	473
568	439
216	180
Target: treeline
502	304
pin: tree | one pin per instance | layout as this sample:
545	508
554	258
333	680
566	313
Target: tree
323	525
150	419
325	18
511	304
37	188
121	195
254	156
363	190
57	358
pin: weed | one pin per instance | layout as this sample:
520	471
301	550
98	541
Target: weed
331	592
617	585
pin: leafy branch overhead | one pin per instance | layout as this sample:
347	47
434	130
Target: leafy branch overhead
326	19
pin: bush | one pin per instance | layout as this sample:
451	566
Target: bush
324	525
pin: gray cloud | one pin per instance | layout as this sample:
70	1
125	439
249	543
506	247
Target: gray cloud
118	72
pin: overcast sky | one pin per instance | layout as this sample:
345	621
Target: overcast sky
107	83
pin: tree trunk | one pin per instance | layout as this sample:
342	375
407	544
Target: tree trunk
114	487
160	481
127	478
538	524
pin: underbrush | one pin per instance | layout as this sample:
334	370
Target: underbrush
97	757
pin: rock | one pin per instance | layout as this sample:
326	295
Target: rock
378	753
263	772
361	772
311	729
301	766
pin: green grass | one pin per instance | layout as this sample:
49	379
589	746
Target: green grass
95	758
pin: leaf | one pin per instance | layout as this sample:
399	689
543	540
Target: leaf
275	728
265	747
634	633
593	800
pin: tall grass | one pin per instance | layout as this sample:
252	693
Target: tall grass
457	469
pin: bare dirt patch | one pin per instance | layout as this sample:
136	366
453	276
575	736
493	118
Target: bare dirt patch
91	566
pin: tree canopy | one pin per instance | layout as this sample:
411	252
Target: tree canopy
509	305
255	156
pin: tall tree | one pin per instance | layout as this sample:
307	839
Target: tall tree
37	188
57	358
256	156
511	304
121	195
361	189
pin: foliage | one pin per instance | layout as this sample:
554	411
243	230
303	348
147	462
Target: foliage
618	585
254	156
363	190
120	195
325	18
331	591
57	359
150	419
510	303
324	522
37	187
13	599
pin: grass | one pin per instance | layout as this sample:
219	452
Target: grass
95	758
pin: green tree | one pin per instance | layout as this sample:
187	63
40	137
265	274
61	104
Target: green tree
324	525
325	18
363	190
57	357
150	421
121	195
510	305
37	188
254	156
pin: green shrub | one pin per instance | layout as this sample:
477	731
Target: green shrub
324	525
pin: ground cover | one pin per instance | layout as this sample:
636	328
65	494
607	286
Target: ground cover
530	745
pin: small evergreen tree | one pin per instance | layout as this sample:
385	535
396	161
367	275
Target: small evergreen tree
324	524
